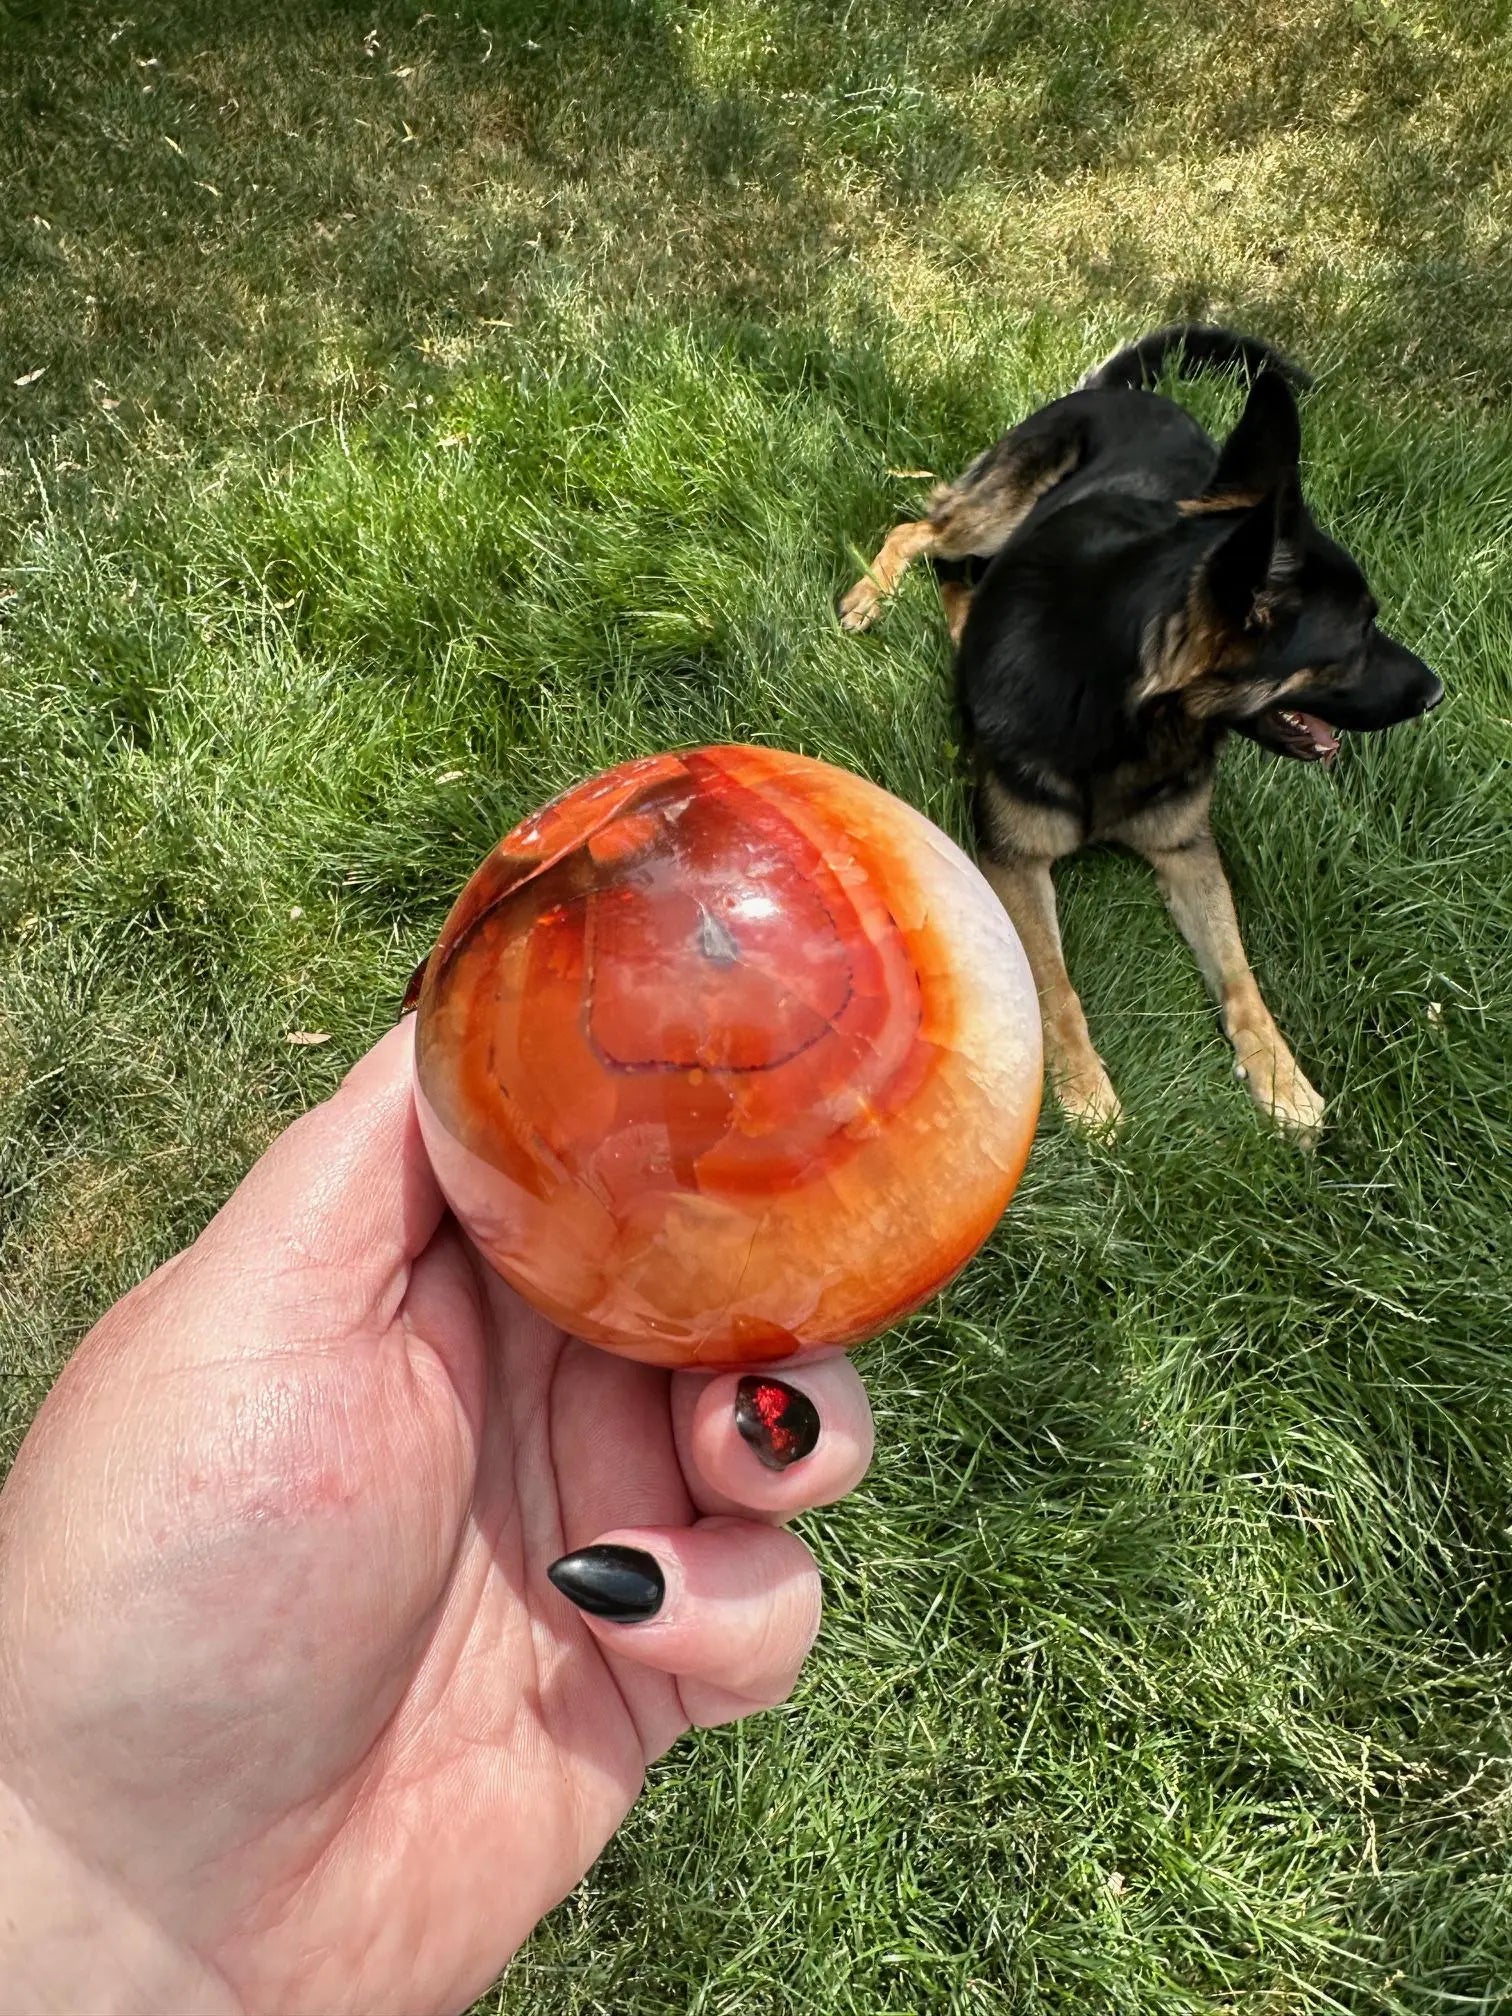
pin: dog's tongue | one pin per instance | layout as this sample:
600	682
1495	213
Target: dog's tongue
1324	739
1318	731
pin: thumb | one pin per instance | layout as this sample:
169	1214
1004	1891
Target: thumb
346	1191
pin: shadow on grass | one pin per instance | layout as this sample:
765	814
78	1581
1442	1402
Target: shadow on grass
247	216
1426	300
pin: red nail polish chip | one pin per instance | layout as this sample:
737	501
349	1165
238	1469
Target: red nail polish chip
780	1423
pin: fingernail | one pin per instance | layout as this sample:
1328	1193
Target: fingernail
620	1583
780	1423
412	991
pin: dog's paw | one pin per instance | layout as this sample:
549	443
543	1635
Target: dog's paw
858	606
1276	1084
1087	1098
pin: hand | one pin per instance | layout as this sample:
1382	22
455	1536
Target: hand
292	1719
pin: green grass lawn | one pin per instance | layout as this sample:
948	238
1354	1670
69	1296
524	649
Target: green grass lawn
434	407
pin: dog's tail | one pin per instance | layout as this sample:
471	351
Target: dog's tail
1194	348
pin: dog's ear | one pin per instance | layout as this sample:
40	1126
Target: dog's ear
1266	444
1249	578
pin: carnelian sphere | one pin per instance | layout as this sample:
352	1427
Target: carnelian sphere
726	1057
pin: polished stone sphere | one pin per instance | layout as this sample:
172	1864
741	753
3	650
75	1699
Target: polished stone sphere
727	1057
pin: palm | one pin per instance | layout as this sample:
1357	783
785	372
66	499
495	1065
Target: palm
493	1673
283	1668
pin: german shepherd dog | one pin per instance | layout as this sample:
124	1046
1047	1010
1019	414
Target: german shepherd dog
1123	593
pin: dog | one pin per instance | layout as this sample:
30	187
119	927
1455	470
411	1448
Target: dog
1124	593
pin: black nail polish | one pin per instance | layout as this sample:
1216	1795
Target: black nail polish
412	991
780	1423
620	1583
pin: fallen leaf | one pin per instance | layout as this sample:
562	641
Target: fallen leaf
914	475
30	377
451	777
307	1038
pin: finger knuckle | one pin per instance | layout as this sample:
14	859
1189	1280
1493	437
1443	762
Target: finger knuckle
768	1667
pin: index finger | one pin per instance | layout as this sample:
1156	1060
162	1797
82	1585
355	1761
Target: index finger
769	1444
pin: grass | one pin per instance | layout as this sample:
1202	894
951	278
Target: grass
435	407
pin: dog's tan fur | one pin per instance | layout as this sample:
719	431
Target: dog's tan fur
1024	840
974	516
1124	593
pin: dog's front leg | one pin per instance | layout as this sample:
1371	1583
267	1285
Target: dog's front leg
1197	891
1080	1078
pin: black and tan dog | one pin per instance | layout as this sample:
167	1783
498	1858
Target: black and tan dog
1123	593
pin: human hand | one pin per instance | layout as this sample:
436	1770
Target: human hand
292	1719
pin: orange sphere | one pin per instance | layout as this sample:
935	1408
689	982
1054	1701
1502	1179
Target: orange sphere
727	1056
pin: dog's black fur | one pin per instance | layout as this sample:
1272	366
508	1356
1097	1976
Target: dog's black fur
1125	593
1058	663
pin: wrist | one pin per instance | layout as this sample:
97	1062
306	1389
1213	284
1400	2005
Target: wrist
71	1942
